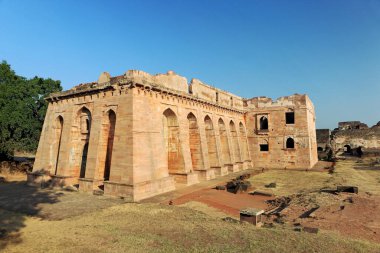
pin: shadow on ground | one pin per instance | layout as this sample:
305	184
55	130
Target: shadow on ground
17	201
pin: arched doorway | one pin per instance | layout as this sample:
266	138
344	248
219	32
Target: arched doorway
211	142
172	142
58	138
110	128
195	142
226	155
235	142
84	120
347	149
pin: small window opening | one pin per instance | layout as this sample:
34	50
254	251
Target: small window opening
263	123
87	125
290	143
289	117
320	149
264	147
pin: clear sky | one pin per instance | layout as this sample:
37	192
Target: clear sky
327	49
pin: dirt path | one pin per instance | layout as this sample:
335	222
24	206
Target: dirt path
225	201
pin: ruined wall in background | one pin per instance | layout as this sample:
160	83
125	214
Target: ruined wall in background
355	135
323	138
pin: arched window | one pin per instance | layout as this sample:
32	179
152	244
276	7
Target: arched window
263	123
289	143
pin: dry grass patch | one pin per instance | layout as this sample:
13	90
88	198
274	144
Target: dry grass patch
159	228
293	182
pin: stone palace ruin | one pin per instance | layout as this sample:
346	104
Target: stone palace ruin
139	135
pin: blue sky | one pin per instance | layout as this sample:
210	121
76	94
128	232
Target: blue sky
327	49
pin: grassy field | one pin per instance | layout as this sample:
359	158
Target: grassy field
70	223
159	228
292	182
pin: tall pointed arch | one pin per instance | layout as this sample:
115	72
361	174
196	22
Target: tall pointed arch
172	142
226	154
211	142
195	142
235	142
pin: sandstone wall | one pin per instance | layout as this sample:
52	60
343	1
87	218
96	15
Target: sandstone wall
304	154
139	135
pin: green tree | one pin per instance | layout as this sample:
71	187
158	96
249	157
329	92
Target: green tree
22	110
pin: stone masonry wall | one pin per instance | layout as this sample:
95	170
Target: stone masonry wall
139	135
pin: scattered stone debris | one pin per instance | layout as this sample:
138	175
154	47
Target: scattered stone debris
279	219
277	205
309	213
239	184
271	185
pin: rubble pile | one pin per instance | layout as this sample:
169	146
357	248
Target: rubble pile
239	184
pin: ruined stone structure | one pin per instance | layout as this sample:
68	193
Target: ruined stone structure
323	139
353	135
138	135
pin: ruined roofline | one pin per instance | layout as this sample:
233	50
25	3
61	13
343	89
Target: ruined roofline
284	101
169	81
142	79
106	80
178	85
342	125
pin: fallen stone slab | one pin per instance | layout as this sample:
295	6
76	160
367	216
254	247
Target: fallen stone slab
261	193
271	185
309	213
351	189
310	230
